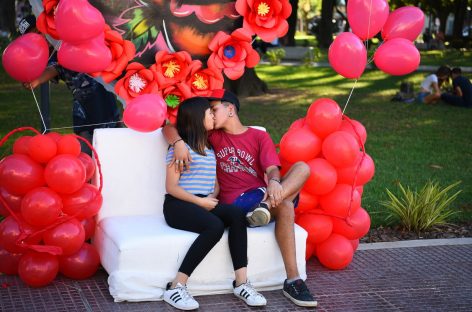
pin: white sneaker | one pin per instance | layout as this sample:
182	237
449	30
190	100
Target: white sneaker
180	298
259	216
247	293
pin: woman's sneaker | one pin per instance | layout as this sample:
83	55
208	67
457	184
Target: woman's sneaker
179	297
299	293
249	295
259	216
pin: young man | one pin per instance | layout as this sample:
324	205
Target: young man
462	90
244	155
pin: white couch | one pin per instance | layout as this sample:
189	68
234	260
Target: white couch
140	252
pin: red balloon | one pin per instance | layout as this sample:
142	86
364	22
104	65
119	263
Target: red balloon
89	164
335	253
297	124
405	22
310	251
78	21
306	202
65	174
21	145
42	148
19	174
338	202
354	243
360	189
347	55
145	113
9	262
364	168
69	235
367	17
81	265
340	149
87	57
26	57
299	145
397	57
10	233
38	269
319	227
54	135
356	129
68	144
324	116
13	201
355	226
89	227
41	207
285	166
84	203
322	178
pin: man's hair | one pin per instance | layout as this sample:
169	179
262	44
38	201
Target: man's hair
190	123
457	71
443	70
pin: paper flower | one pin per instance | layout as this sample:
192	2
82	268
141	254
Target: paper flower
231	53
202	81
171	68
265	18
45	22
174	95
138	80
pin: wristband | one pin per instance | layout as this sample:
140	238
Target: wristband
173	144
275	179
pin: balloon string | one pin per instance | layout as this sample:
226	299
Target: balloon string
56	47
350	94
39	110
87	125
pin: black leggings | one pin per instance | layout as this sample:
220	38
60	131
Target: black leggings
210	225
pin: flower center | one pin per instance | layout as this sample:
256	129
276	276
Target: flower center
229	51
262	9
171	69
136	83
172	100
200	82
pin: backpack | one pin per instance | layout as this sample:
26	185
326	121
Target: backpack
406	93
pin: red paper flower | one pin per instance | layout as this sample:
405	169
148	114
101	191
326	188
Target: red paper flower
265	18
122	52
171	68
138	80
173	95
202	81
45	22
232	53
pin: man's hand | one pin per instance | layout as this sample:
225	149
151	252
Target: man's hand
274	193
182	158
208	203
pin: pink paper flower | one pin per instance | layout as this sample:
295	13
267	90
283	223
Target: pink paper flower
138	80
171	68
231	53
202	80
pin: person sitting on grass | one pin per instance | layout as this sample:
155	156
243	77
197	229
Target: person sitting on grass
430	92
462	90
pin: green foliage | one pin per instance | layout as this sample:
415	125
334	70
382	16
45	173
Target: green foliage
274	56
420	211
313	55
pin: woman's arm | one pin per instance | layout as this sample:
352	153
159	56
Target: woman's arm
216	191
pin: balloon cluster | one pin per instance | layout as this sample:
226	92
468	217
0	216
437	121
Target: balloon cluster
330	202
48	208
397	55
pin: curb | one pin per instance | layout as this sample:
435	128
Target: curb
417	243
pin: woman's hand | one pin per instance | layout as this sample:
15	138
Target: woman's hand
208	203
182	159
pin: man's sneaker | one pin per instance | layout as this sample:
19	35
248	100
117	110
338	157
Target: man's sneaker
179	297
247	293
259	216
299	293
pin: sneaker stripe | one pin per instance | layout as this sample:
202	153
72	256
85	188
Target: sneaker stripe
177	300
174	296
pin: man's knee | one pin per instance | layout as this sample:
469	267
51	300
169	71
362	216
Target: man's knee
285	211
301	170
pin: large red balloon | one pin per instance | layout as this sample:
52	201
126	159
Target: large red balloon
286	165
145	113
338	202
89	227
19	174
54	135
355	226
364	172
21	145
10	232
84	203
13	201
38	269
322	177
9	262
69	235
310	251
319	227
81	265
405	22
299	145
397	57
347	55
356	129
306	202
297	124
335	252
42	148
41	207
65	174
324	116
89	164
26	57
367	17
340	149
68	144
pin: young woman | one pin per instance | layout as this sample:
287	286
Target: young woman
191	205
430	91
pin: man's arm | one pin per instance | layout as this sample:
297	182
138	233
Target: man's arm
49	73
181	158
458	91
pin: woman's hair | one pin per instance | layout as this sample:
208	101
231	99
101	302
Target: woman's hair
443	70
190	123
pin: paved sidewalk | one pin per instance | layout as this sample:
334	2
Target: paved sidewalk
424	278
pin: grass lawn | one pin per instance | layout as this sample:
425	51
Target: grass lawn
410	143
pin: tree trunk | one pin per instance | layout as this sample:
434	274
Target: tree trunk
7	16
325	35
459	16
289	38
248	85
442	15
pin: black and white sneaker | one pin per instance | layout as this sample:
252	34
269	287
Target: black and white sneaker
248	294
299	293
259	216
179	297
